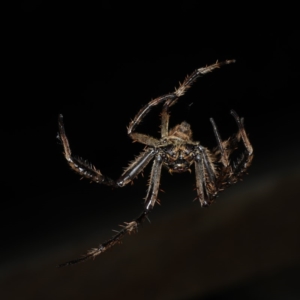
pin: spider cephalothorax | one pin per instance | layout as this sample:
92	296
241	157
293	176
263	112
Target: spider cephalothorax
176	149
178	152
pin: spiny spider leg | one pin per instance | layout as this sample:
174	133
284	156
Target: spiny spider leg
136	167
154	181
231	173
199	172
205	177
127	228
242	132
79	165
172	97
165	116
210	172
224	154
242	164
132	226
208	164
88	171
165	121
225	177
144	139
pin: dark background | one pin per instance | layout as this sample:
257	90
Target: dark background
98	65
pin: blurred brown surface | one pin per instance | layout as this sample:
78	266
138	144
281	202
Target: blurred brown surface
251	233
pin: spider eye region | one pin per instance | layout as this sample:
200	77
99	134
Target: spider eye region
178	160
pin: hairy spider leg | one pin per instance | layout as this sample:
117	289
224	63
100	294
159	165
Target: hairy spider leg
154	182
128	227
89	171
165	116
171	99
242	132
79	165
200	180
228	174
223	151
243	163
205	176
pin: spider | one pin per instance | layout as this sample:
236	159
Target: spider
177	151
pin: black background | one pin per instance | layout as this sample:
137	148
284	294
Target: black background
97	65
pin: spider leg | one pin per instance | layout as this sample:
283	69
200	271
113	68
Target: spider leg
208	163
242	132
144	139
223	150
205	177
165	116
79	165
244	162
132	226
127	228
225	147
154	182
231	173
199	171
136	167
87	170
172	97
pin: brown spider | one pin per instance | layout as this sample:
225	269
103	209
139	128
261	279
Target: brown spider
177	152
